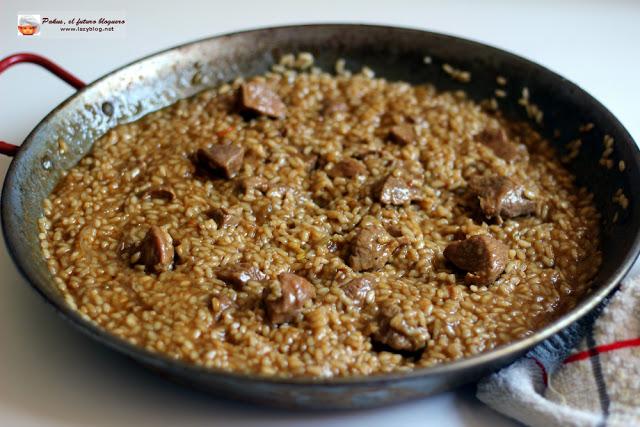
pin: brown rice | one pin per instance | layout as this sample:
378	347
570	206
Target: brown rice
304	223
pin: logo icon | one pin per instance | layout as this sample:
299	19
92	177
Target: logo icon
28	25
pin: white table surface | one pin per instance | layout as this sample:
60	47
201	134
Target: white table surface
50	375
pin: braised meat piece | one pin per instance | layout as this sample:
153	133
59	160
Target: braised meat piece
221	303
358	289
394	191
223	217
498	141
156	250
482	257
159	193
259	98
237	275
501	197
398	332
403	134
347	168
371	248
294	291
222	160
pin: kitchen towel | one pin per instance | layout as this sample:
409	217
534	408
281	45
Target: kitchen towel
587	375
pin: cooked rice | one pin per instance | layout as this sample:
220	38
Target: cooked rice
305	227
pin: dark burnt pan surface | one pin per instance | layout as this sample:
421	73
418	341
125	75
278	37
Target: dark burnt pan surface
394	53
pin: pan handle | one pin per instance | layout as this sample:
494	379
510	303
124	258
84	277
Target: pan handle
10	149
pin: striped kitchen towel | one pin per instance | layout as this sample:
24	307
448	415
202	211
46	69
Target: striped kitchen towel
587	375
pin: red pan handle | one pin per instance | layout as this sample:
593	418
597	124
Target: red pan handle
10	149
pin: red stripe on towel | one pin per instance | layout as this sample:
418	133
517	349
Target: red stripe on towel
602	349
543	369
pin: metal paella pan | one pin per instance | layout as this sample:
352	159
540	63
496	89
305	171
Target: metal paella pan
396	54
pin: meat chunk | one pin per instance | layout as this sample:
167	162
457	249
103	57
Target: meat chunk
482	257
501	197
223	160
156	250
498	141
348	168
359	289
159	193
259	98
237	275
284	305
224	217
262	211
220	303
394	191
403	134
371	248
401	332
